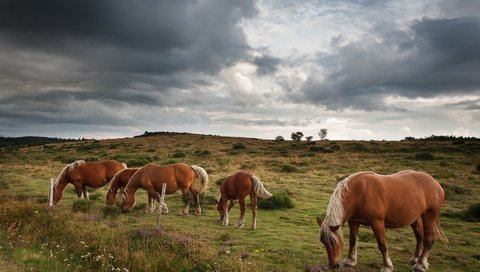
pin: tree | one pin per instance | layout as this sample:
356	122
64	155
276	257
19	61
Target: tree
279	139
322	133
297	136
309	138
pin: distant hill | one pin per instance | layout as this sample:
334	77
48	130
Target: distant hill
29	141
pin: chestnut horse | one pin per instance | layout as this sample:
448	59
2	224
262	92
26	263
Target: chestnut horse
177	176
85	174
238	186
120	181
384	201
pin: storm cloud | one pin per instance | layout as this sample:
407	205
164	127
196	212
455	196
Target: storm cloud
436	57
364	69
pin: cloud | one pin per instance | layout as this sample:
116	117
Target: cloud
436	57
104	56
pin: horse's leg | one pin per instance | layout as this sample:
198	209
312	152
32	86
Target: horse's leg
225	212
151	203
85	192
232	202
381	236
196	198
254	211
351	259
78	189
429	221
186	200
241	221
417	227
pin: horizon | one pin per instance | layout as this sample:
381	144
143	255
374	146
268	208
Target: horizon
364	70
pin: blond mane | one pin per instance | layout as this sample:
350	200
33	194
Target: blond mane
67	170
336	213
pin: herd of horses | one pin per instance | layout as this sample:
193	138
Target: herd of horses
405	198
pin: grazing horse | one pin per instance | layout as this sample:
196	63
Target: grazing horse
85	174
120	181
238	186
177	176
384	201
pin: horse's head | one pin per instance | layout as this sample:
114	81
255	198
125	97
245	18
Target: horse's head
220	209
331	238
128	201
111	197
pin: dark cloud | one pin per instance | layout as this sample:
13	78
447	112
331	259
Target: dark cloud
439	56
266	64
101	54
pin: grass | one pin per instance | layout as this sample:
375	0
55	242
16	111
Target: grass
98	238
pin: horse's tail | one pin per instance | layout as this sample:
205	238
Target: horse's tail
259	189
439	235
201	176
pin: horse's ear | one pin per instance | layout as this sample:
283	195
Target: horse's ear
319	220
334	228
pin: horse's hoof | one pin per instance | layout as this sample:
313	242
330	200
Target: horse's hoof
413	260
349	263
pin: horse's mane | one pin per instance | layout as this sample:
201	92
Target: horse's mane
67	170
335	212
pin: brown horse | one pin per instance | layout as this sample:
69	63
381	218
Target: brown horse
238	186
85	174
384	201
177	176
120	181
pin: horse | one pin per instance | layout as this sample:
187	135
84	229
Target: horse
238	186
177	176
85	174
120	180
384	201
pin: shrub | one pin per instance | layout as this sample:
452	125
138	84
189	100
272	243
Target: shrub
287	168
239	146
138	161
478	167
279	200
82	205
425	156
473	212
317	149
95	196
248	165
179	154
3	185
202	153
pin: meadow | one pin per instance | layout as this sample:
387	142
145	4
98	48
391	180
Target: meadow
80	235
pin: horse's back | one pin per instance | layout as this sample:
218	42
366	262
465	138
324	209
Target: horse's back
178	175
400	198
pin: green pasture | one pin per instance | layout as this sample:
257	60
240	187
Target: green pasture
85	236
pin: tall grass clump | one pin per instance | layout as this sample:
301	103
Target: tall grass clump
424	156
473	212
279	200
82	205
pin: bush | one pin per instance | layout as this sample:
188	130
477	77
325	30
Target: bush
478	167
287	168
82	205
179	154
138	161
239	146
3	185
473	212
317	149
202	153
425	156
95	196
279	200
219	181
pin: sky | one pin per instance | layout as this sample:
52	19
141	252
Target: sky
364	70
